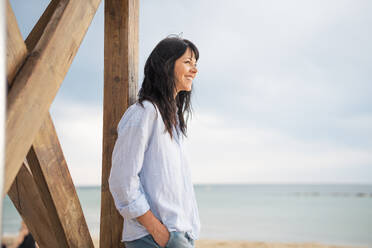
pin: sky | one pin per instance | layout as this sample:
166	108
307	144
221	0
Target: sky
282	94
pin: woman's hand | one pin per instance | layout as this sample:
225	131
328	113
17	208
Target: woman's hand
161	235
157	230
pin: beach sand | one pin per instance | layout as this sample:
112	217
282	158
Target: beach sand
246	244
230	244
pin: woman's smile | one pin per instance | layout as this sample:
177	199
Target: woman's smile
185	71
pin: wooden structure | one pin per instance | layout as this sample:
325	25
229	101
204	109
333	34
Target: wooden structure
37	178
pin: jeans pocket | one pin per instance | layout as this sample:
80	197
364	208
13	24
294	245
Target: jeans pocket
179	240
171	234
144	242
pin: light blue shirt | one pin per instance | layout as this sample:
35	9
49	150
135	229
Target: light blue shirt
150	171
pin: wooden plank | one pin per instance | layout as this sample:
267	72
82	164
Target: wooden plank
120	90
38	81
3	87
27	200
36	32
16	50
50	171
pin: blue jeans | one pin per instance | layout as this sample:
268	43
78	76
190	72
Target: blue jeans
176	240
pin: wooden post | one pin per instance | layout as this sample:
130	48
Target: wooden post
120	90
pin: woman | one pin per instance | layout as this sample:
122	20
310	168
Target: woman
150	179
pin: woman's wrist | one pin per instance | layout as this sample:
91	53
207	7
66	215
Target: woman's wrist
157	230
151	223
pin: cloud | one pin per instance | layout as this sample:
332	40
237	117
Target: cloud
79	128
260	154
282	93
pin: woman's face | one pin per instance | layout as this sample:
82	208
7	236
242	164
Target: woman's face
184	71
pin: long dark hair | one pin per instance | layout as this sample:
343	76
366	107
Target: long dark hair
159	84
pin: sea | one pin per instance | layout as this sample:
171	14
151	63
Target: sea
295	213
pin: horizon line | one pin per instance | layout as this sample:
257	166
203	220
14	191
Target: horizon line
260	183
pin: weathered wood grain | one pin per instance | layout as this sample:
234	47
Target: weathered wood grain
38	81
27	200
40	26
120	90
16	50
53	178
50	169
57	198
24	192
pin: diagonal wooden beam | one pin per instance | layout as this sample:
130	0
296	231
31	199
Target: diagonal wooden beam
24	193
50	171
36	32
38	81
27	200
58	194
16	51
120	90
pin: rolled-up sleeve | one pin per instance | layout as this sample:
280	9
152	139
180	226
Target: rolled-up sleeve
134	131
